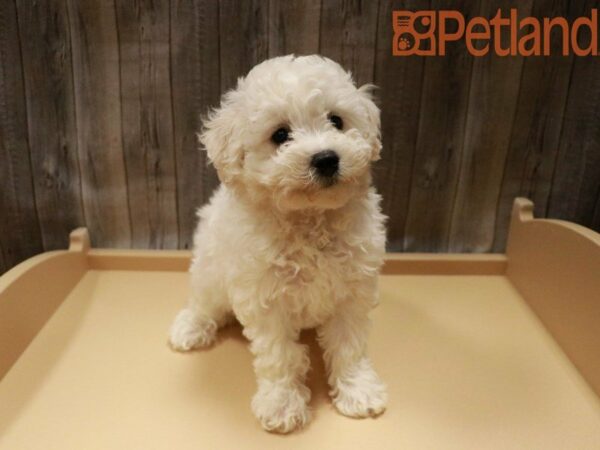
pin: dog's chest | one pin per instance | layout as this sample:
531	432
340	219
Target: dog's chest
315	270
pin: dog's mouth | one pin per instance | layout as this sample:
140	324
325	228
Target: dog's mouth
327	182
320	193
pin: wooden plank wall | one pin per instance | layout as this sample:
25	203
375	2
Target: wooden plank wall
100	101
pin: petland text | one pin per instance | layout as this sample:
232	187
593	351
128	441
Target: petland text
427	33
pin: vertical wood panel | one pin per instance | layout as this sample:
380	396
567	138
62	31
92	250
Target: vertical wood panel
147	120
243	35
576	182
439	142
348	34
400	82
97	87
4	265
492	102
294	27
195	87
100	102
538	123
595	224
51	118
20	235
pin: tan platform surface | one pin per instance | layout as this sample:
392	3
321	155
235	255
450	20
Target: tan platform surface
468	365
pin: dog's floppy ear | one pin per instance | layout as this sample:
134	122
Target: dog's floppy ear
221	142
373	119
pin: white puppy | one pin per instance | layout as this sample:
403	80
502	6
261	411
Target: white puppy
294	236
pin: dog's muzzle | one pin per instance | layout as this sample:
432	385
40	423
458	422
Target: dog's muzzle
326	164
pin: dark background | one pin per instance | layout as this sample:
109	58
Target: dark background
100	101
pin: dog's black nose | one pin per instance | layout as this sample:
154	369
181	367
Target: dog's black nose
326	163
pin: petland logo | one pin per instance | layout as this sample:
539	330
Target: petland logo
427	33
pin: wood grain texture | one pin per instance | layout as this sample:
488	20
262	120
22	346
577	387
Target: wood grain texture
595	223
492	102
399	82
48	77
20	235
440	139
575	188
195	86
100	103
99	135
348	34
294	27
537	124
243	36
147	122
4	265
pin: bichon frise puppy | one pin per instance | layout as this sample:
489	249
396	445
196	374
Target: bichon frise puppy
294	236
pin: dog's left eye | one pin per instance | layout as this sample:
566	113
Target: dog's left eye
280	136
336	121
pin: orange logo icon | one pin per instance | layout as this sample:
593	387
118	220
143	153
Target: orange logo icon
414	33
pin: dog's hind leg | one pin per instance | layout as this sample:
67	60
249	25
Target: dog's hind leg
196	325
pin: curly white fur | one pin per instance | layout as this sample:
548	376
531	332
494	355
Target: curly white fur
282	251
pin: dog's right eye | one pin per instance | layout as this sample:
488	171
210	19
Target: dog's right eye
280	136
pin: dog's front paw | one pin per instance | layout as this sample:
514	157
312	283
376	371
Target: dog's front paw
189	331
281	408
360	392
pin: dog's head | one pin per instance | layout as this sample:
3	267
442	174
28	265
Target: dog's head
295	132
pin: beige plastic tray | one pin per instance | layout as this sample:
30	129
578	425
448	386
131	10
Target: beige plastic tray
479	352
